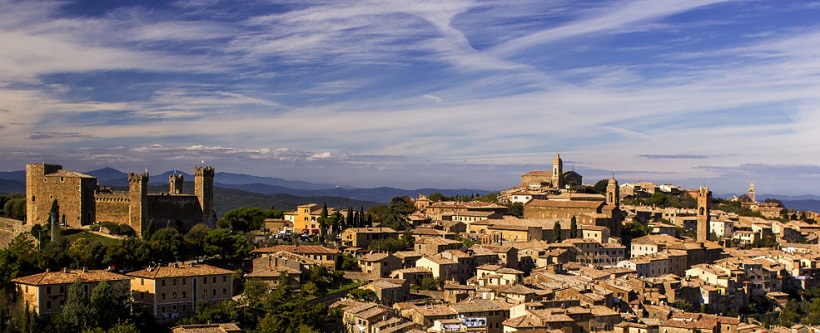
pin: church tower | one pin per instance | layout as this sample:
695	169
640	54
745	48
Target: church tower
612	209
612	193
557	172
752	192
704	208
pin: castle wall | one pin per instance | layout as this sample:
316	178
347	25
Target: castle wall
112	207
81	203
182	209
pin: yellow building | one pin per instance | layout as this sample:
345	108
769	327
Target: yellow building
305	218
173	290
45	293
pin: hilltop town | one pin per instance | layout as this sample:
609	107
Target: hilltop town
550	254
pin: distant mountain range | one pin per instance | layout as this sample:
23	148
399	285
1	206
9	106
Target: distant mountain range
263	192
15	182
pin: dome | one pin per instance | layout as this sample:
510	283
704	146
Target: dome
612	182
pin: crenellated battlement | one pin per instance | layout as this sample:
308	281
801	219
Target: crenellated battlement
204	171
137	177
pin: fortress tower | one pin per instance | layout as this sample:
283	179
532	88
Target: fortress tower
73	191
204	191
137	201
752	192
175	182
704	209
557	172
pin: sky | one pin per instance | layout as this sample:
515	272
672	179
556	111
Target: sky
412	94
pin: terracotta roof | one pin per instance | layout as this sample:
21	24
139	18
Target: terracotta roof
62	277
207	328
374	256
564	204
301	249
371	230
66	173
179	270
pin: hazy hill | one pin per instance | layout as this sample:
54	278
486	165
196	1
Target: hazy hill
227	199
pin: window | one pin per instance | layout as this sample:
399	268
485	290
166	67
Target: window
163	309
184	281
213	279
184	295
224	279
163	298
174	282
213	292
204	280
48	304
61	289
163	283
48	290
184	308
224	291
142	282
174	295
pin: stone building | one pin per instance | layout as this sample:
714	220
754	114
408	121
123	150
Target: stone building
175	290
46	293
589	209
83	202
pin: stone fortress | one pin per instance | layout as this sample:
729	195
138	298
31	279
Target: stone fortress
83	202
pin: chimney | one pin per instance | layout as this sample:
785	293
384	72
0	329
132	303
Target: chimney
65	269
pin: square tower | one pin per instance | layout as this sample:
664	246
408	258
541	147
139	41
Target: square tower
204	191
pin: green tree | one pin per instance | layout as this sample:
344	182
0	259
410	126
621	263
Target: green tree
124	327
556	232
394	214
222	312
573	228
195	239
228	246
110	303
600	186
166	244
323	222
516	209
428	283
77	311
80	251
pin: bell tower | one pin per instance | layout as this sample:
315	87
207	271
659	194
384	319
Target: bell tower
752	192
613	193
704	209
557	172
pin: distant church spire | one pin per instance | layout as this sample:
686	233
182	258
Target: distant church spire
752	192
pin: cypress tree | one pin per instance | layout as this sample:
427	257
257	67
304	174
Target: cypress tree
556	232
573	228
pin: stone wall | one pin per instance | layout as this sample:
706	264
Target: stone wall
112	207
181	210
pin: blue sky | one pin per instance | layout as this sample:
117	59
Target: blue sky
449	93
